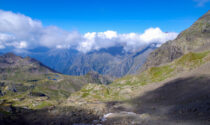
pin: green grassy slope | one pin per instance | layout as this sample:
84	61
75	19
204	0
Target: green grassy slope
127	87
24	82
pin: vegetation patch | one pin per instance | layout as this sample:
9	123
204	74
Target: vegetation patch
192	59
125	87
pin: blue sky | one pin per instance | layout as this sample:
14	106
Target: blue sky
87	25
123	16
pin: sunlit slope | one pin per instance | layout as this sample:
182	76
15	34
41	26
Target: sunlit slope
127	87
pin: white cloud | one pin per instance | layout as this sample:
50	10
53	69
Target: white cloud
6	40
155	34
2	47
130	41
22	32
201	3
22	44
134	41
107	35
17	27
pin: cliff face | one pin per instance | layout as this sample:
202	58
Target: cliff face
196	38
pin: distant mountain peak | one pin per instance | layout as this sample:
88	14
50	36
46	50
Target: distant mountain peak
16	63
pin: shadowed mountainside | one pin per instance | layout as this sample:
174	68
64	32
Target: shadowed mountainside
47	116
182	101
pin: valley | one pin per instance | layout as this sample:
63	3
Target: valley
166	85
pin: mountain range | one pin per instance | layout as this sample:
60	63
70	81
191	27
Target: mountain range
113	62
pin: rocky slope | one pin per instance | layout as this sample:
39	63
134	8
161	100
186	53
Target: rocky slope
176	93
182	100
196	38
28	83
31	93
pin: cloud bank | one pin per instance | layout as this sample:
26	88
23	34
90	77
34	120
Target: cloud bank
22	32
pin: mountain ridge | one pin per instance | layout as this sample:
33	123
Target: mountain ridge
190	40
114	62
